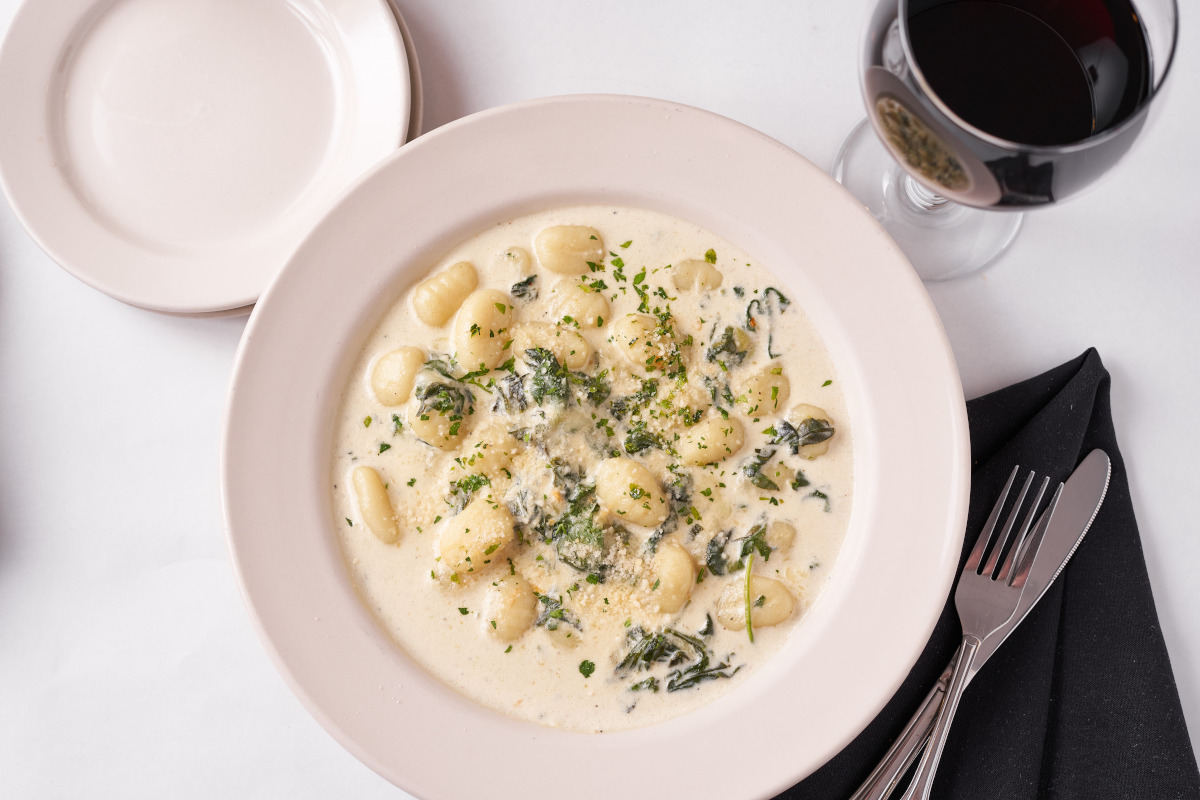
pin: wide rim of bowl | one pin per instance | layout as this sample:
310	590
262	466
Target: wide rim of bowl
839	666
358	44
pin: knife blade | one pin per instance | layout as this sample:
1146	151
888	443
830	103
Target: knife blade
1060	531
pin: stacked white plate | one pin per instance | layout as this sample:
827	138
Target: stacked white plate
173	153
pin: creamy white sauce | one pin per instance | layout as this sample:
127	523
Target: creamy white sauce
438	616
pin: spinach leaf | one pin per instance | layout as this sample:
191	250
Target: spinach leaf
809	431
689	656
548	379
462	490
525	290
714	553
633	404
578	538
443	398
730	348
756	541
510	395
595	387
752	469
639	439
553	615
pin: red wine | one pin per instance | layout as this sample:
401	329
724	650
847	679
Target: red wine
1034	72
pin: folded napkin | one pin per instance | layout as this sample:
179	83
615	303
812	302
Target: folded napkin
1080	702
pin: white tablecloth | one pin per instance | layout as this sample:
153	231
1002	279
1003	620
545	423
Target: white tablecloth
128	666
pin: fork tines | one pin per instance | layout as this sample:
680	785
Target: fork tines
1002	554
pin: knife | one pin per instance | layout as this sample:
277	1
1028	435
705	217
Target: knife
1060	531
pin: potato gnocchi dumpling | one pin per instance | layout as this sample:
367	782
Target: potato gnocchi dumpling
674	575
437	298
374	505
569	249
695	274
765	393
813	425
630	491
394	373
710	441
470	541
483	329
510	607
571	349
770	603
582	306
566	480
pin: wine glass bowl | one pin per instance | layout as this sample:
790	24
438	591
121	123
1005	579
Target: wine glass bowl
998	106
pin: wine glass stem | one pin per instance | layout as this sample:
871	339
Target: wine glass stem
920	199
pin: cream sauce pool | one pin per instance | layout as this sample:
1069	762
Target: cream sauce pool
556	467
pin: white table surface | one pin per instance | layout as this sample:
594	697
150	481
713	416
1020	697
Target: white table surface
128	666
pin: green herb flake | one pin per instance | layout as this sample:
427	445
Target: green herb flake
509	650
384	447
586	668
349	522
366	422
412	481
826	383
625	245
711	256
463	611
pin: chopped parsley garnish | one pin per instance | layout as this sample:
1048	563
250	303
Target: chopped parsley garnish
586	668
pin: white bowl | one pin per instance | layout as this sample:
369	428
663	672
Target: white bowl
841	663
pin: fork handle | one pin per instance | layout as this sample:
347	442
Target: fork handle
922	783
882	781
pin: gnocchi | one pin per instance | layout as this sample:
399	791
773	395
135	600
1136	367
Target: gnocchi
770	603
781	535
568	347
643	342
483	329
710	441
510	607
631	492
436	299
394	373
694	274
674	575
517	258
765	393
582	306
374	505
568	249
812	423
474	538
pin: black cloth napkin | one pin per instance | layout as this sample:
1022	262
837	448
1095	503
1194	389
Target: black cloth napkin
1080	702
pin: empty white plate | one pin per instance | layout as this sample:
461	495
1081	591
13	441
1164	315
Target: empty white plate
172	153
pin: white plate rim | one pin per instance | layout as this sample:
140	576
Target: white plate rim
637	143
40	41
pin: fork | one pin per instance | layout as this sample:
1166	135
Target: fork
989	589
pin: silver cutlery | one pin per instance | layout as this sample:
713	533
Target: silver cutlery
1058	535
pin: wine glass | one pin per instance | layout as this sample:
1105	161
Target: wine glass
977	109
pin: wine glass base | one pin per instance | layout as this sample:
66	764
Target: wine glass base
942	239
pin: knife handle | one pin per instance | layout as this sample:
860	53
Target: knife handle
908	745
